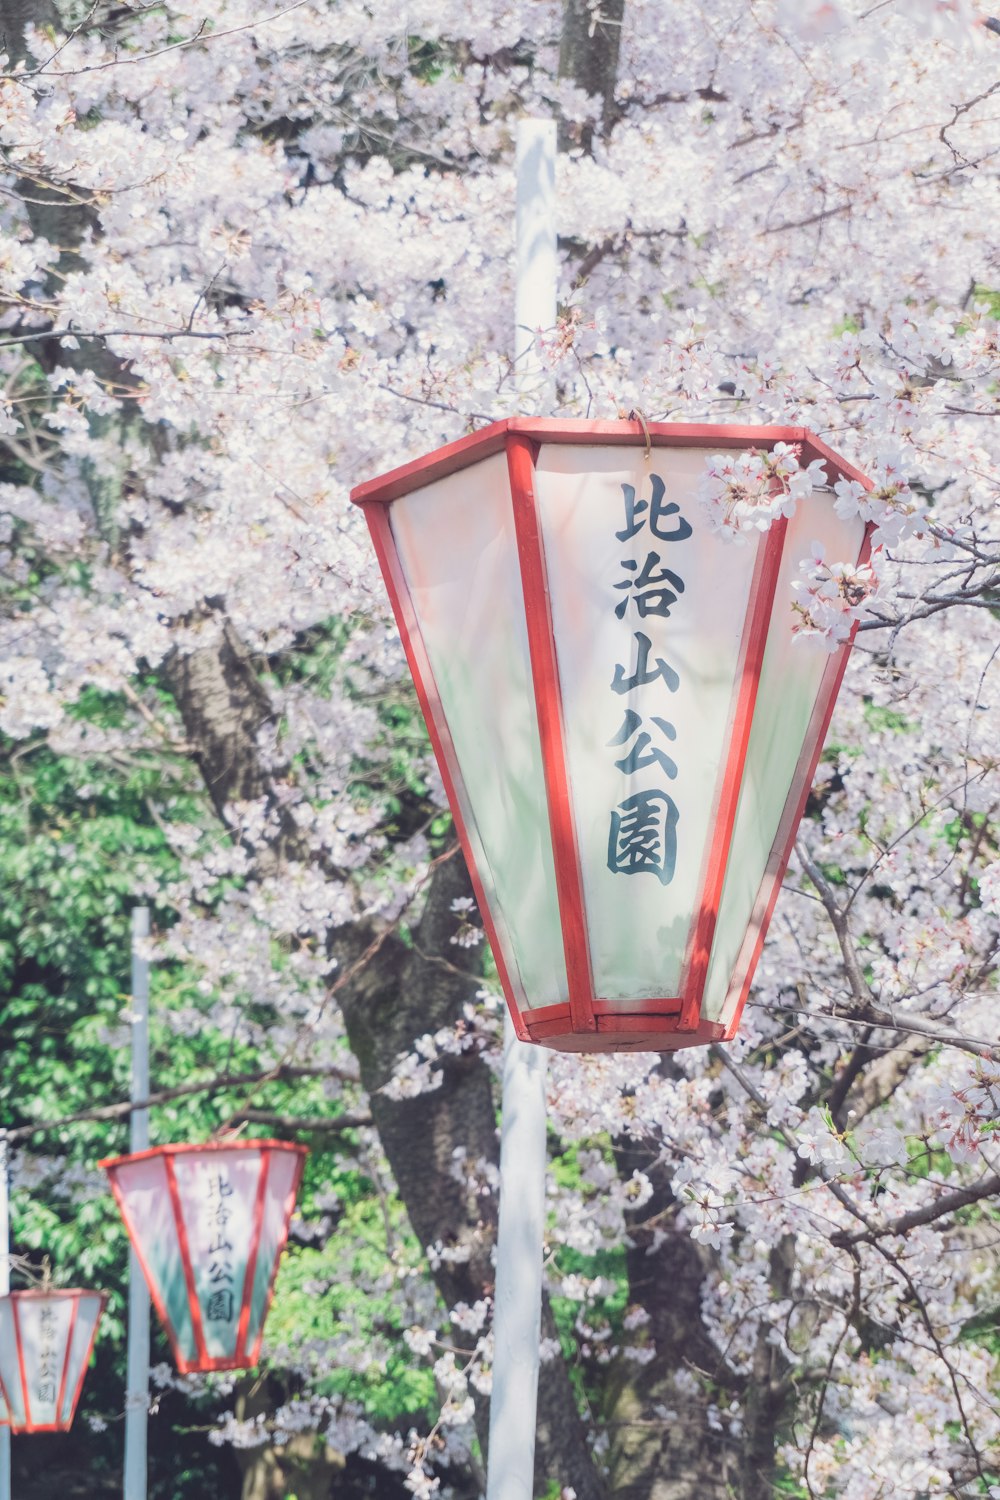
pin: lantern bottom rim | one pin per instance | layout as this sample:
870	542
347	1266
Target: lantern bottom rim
20	1428
649	1026
214	1366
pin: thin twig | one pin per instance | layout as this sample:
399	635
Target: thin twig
121	333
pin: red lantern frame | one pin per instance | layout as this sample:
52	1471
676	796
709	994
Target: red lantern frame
203	1362
40	1294
587	1022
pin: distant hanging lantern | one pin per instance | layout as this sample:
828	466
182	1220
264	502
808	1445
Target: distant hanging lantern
46	1338
208	1224
625	728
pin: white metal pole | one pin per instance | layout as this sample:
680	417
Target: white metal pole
518	1299
4	1289
535	294
137	1392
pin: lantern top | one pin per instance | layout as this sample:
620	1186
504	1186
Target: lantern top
173	1148
493	438
47	1293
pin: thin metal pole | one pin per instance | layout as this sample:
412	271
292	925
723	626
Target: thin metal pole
520	1235
4	1289
535	294
137	1392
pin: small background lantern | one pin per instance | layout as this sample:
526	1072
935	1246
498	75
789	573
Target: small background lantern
208	1224
625	726
46	1338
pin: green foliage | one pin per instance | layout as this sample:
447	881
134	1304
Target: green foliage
990	296
605	1310
787	1485
359	1288
925	1161
881	718
82	842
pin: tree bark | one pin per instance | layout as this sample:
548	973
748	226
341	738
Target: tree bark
403	992
15	15
303	1465
662	1444
589	48
224	707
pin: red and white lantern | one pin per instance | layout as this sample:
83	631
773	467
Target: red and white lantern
208	1224
46	1338
626	727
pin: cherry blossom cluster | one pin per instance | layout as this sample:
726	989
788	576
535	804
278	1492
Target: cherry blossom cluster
291	269
831	597
748	489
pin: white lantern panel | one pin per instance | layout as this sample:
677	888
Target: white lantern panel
43	1327
10	1368
88	1310
218	1196
279	1201
791	677
648	610
147	1208
456	545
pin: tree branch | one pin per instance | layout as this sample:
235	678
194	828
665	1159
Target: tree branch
281	1074
305	1123
948	1203
120	333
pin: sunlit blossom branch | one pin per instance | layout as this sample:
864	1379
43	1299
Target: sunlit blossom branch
750	1088
935	607
869	1011
872	1234
948	1203
816	218
850	1316
201	35
70	36
343	979
884	852
953	1377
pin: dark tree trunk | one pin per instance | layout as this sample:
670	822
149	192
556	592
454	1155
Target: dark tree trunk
15	15
588	55
662	1444
399	995
224	708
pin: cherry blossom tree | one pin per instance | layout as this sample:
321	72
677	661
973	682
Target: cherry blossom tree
251	256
